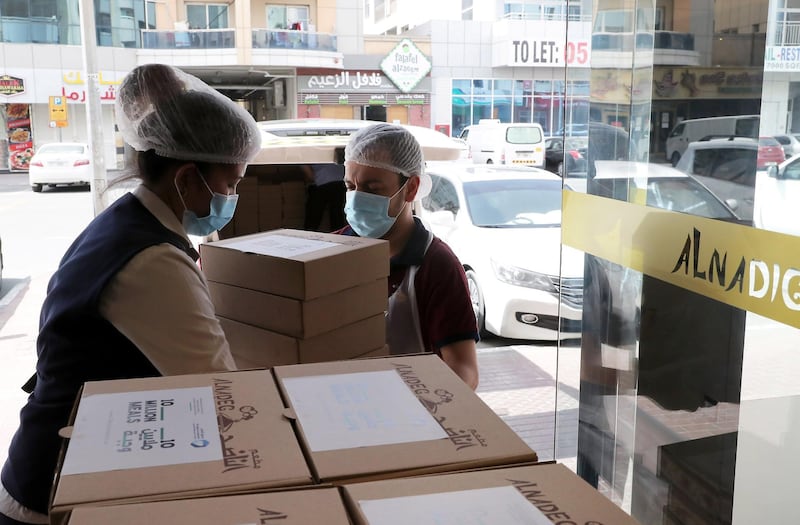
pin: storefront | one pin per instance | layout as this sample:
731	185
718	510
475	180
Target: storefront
26	98
361	95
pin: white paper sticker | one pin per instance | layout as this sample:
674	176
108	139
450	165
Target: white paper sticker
143	429
359	410
280	245
490	506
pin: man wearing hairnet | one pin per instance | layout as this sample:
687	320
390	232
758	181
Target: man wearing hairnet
429	304
127	299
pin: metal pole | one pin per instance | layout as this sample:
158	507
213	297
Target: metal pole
94	114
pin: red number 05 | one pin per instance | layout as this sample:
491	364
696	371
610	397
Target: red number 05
582	53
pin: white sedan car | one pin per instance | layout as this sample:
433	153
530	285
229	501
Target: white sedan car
504	224
60	163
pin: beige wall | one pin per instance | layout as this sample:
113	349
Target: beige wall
382	45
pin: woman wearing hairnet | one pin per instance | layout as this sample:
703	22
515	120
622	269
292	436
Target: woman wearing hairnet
429	304
128	299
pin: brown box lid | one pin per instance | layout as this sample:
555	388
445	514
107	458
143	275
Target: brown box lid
178	436
393	417
541	494
296	263
293	507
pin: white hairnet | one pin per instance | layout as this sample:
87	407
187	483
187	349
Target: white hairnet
179	116
389	147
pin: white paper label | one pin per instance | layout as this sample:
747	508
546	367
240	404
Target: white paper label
143	429
280	245
359	410
490	506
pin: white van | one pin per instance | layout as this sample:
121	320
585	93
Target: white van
713	127
495	143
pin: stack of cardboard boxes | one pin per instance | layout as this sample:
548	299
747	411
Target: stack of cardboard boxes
377	441
291	296
270	197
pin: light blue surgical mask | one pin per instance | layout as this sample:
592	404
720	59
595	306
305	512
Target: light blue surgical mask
368	214
221	211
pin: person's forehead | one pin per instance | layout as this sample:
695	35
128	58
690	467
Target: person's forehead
362	173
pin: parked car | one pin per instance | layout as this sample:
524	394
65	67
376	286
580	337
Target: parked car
570	153
790	144
777	198
692	130
494	142
769	152
727	167
504	224
60	163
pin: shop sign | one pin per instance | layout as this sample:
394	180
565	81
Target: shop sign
344	80
690	82
782	58
406	65
11	85
344	99
410	99
311	99
377	100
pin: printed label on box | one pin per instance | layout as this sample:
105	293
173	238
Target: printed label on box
494	505
363	409
143	429
280	245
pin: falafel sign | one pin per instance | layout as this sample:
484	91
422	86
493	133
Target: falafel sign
748	268
406	65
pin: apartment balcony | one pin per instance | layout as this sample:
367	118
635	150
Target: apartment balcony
786	34
667	48
289	47
189	39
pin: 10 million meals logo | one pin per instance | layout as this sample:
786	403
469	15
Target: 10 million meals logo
406	65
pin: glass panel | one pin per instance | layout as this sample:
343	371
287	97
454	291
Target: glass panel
276	17
196	16
217	16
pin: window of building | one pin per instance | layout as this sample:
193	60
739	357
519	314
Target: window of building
150	15
466	9
207	16
287	16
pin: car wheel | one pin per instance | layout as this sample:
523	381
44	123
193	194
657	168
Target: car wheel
489	161
676	157
560	169
36	187
476	298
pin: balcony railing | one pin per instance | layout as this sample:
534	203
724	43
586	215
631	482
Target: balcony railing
660	40
292	39
787	34
557	16
189	39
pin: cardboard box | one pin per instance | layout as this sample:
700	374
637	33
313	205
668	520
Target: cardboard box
540	494
176	437
295	263
378	352
296	507
246	217
295	317
270	206
254	347
393	417
294	203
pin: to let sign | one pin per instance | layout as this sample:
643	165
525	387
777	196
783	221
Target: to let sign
531	52
406	65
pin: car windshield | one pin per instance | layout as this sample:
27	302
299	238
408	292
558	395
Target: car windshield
768	141
514	203
684	195
61	149
523	134
577	143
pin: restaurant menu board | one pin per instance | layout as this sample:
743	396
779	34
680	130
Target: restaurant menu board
20	139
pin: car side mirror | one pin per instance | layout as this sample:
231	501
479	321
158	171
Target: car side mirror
772	171
732	204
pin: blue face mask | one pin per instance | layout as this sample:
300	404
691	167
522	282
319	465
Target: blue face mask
368	214
221	212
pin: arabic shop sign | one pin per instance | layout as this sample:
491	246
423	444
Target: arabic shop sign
11	85
353	82
406	65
